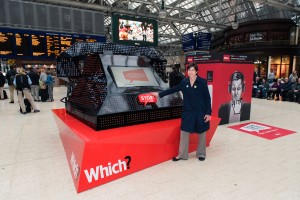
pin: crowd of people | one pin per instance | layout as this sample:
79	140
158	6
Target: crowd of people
35	86
284	89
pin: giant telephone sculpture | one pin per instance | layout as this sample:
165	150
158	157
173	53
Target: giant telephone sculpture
106	80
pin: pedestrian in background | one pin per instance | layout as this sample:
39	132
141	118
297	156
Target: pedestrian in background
22	83
10	76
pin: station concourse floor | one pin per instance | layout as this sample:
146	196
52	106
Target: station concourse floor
239	166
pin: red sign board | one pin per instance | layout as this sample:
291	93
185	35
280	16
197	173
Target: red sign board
262	130
147	98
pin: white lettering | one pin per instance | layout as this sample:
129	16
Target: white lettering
109	168
124	165
93	174
75	166
114	168
101	171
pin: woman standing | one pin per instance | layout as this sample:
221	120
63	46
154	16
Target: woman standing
196	111
50	83
43	86
293	77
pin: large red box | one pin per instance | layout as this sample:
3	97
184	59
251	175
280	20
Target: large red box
98	157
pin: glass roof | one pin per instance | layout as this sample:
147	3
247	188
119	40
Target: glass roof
186	16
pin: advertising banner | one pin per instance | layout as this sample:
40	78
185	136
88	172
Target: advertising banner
262	130
230	76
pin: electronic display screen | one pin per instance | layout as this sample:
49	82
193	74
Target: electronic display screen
32	44
6	43
78	39
23	44
65	42
38	45
133	76
134	31
89	39
52	45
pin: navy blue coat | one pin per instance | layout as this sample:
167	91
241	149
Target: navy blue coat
196	104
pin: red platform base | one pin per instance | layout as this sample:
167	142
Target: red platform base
98	157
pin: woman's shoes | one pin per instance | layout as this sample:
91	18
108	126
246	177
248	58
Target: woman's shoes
176	159
201	158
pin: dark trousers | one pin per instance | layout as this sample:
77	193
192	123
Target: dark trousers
272	94
44	94
284	94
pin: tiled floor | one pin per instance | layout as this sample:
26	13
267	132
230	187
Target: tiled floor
239	166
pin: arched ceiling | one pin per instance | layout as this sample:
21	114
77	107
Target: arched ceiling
185	16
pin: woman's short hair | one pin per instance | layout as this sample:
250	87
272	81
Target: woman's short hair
195	66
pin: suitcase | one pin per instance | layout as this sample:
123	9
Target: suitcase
5	94
27	105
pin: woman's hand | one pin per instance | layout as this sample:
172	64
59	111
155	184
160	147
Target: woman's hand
154	94
207	118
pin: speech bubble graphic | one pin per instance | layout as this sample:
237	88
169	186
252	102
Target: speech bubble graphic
254	127
135	75
146	98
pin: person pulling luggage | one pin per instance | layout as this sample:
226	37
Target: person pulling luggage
22	83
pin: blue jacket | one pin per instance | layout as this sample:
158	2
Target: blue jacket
196	104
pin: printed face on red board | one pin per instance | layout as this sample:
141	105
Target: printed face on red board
236	89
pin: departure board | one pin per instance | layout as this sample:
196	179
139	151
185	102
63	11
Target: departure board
38	45
91	40
65	42
6	43
41	44
78	39
52	45
23	44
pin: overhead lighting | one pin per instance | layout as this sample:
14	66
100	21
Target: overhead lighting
162	12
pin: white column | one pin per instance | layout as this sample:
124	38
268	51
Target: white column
294	64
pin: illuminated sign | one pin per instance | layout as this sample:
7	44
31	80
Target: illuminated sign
65	42
28	43
38	45
23	44
6	43
52	45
